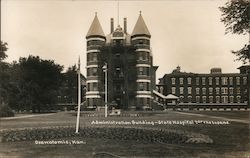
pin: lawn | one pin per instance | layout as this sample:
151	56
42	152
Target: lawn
230	140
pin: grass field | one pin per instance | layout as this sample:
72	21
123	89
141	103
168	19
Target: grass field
230	140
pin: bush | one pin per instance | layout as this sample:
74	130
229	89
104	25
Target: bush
6	111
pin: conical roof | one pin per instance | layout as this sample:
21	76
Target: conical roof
95	28
140	27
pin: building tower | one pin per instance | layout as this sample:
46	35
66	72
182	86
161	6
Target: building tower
131	74
95	41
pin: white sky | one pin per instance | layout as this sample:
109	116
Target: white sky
184	32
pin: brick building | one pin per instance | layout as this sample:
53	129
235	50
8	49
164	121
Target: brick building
211	90
131	74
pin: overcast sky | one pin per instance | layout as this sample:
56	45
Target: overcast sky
184	32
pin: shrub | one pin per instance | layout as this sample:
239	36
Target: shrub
6	111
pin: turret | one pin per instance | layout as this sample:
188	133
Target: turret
95	40
140	38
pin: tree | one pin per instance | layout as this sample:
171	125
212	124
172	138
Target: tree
4	75
236	17
3	50
34	84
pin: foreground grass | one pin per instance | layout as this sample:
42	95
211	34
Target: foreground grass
230	141
94	148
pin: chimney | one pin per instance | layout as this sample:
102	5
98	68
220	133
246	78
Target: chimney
112	25
125	25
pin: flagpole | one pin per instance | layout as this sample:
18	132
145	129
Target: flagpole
79	97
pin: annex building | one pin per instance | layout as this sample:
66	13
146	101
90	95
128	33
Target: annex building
130	69
210	90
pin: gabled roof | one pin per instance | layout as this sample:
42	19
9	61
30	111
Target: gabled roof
140	27
95	28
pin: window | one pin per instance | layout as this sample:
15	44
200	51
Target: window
197	91
197	99
203	81
181	90
210	90
92	71
224	90
92	86
224	80
204	99
140	70
173	81
217	90
181	99
94	57
141	87
217	99
173	90
117	55
211	99
157	88
238	99
91	57
238	90
231	99
189	80
237	80
244	80
189	99
95	87
181	80
161	90
144	56
224	99
189	90
143	71
210	81
140	41
204	91
217	80
231	80
197	81
231	90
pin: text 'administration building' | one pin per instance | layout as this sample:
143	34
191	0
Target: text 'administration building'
217	89
131	74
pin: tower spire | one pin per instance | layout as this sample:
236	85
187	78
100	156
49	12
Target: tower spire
140	27
95	28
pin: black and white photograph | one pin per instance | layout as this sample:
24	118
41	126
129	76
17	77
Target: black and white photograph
125	79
